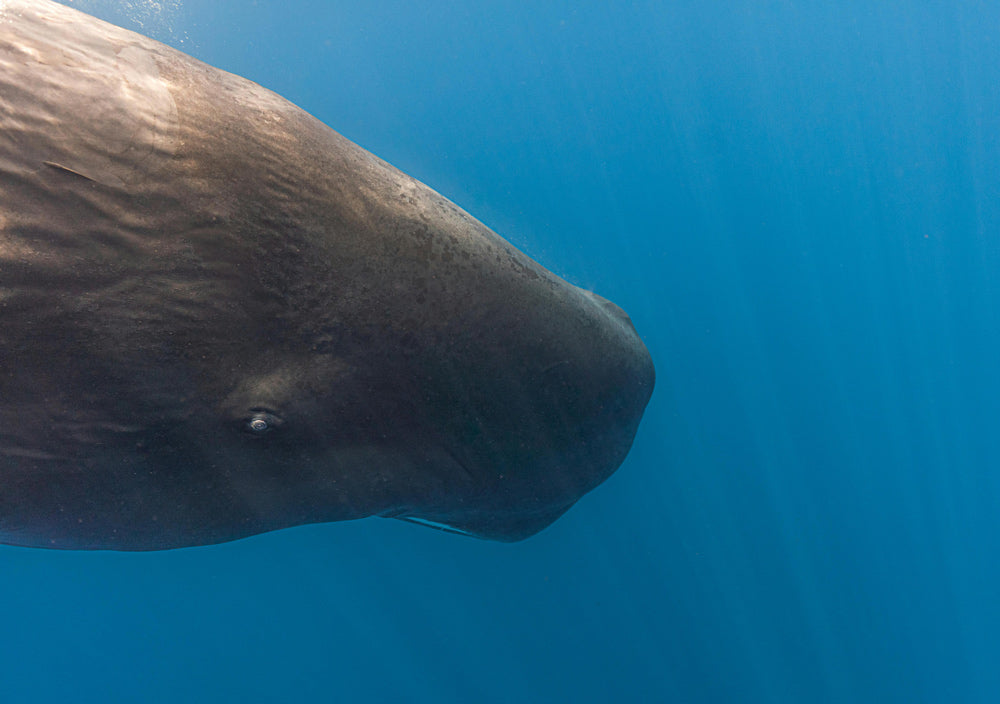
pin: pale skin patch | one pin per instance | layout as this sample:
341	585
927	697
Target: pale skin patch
136	122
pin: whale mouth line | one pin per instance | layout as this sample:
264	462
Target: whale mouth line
435	525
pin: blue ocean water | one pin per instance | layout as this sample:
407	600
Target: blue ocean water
797	204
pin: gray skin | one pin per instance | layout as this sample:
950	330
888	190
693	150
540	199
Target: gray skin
218	317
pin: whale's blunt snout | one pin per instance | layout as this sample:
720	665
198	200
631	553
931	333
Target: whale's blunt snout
556	415
590	404
621	375
626	351
613	309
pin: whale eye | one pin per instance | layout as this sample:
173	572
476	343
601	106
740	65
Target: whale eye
261	423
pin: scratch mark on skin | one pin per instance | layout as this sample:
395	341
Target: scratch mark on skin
60	167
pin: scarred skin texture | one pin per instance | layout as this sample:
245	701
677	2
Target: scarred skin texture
219	317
